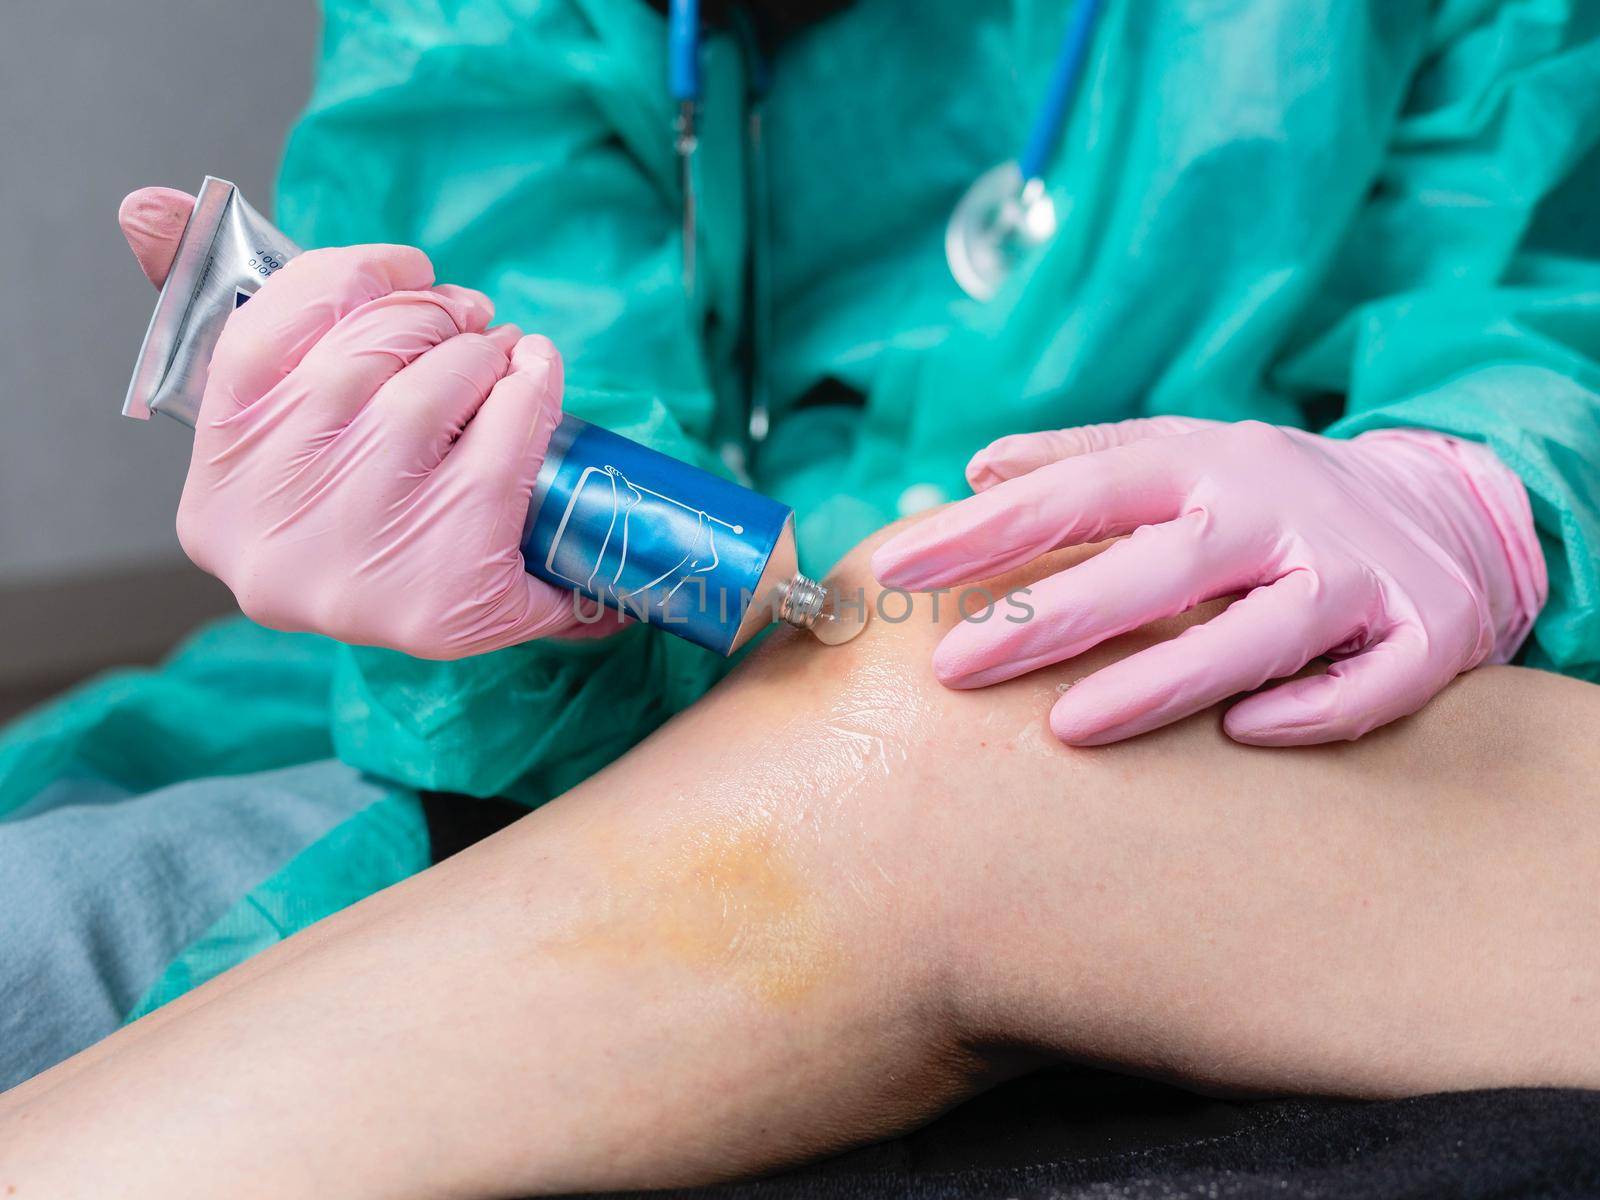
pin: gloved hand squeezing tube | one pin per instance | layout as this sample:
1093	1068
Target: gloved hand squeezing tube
374	462
1406	556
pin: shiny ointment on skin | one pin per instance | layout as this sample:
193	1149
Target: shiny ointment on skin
839	622
726	888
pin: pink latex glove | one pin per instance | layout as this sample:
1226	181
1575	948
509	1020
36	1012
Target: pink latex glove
1407	556
366	451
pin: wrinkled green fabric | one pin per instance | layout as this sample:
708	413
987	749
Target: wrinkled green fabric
1269	210
233	699
1330	213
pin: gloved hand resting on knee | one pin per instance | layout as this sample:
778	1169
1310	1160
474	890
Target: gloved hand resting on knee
1406	556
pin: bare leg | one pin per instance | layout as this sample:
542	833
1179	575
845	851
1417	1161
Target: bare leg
834	898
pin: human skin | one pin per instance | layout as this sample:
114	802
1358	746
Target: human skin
835	898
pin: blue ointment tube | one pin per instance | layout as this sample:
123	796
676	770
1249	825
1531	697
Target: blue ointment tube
635	530
649	535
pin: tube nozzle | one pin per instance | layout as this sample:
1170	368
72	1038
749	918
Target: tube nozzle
803	601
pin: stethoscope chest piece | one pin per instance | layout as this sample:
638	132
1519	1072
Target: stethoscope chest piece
995	226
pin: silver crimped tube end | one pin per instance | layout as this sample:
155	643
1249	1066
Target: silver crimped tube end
803	601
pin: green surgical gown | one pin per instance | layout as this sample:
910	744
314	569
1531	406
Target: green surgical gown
1310	212
1337	214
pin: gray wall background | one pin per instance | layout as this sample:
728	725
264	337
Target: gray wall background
98	97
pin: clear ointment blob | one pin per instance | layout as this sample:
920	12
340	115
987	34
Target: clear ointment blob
839	623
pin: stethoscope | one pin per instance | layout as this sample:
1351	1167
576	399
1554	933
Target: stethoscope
1004	216
1007	213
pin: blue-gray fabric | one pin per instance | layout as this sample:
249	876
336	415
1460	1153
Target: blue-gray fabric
100	889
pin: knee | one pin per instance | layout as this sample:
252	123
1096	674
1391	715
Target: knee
913	621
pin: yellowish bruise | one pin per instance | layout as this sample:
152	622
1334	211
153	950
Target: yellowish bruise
726	901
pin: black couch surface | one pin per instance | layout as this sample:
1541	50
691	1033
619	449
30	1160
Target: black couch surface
1071	1134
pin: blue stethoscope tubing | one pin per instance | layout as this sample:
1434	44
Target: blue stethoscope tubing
1005	210
683	84
683	50
684	87
1064	79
